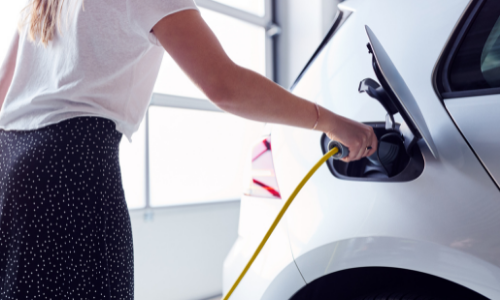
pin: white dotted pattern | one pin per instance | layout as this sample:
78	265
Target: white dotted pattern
64	225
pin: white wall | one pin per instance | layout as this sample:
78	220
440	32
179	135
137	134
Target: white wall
179	251
9	18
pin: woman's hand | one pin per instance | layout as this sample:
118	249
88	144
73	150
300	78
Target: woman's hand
358	137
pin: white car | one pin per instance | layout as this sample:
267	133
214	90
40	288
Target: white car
421	220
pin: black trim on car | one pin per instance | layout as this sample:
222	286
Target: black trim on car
458	42
452	45
440	78
339	20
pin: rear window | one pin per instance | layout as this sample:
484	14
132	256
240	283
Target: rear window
476	65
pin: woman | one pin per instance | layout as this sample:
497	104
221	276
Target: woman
78	76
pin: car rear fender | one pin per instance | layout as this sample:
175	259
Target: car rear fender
392	252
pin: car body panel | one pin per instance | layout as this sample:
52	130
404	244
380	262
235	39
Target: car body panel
429	258
274	274
453	204
478	119
443	223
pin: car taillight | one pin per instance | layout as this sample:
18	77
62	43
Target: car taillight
263	181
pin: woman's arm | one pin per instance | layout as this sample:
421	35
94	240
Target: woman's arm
7	68
239	91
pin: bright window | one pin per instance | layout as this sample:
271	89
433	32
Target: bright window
257	7
243	42
133	167
9	18
197	156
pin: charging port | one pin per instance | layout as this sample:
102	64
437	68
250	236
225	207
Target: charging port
398	157
391	161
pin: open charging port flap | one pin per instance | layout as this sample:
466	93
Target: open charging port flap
398	158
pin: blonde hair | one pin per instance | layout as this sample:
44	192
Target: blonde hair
42	18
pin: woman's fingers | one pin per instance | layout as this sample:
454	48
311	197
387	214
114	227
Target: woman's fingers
361	149
373	144
359	138
356	151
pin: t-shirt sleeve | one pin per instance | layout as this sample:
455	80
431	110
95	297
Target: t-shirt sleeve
146	13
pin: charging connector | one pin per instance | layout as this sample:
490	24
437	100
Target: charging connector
343	150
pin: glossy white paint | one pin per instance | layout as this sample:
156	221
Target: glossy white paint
403	253
453	203
443	223
478	119
274	274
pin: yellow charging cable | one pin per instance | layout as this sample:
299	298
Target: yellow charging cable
330	153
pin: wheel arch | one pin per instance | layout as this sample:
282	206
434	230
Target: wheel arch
398	257
358	282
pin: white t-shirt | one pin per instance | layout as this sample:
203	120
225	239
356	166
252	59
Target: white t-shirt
103	63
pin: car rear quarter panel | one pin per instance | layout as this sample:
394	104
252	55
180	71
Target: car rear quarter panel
274	274
445	222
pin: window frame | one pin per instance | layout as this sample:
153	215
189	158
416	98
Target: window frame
266	21
441	74
175	101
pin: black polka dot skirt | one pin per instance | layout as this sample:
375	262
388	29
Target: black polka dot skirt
64	225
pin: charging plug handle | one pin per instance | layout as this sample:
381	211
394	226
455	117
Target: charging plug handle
343	150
